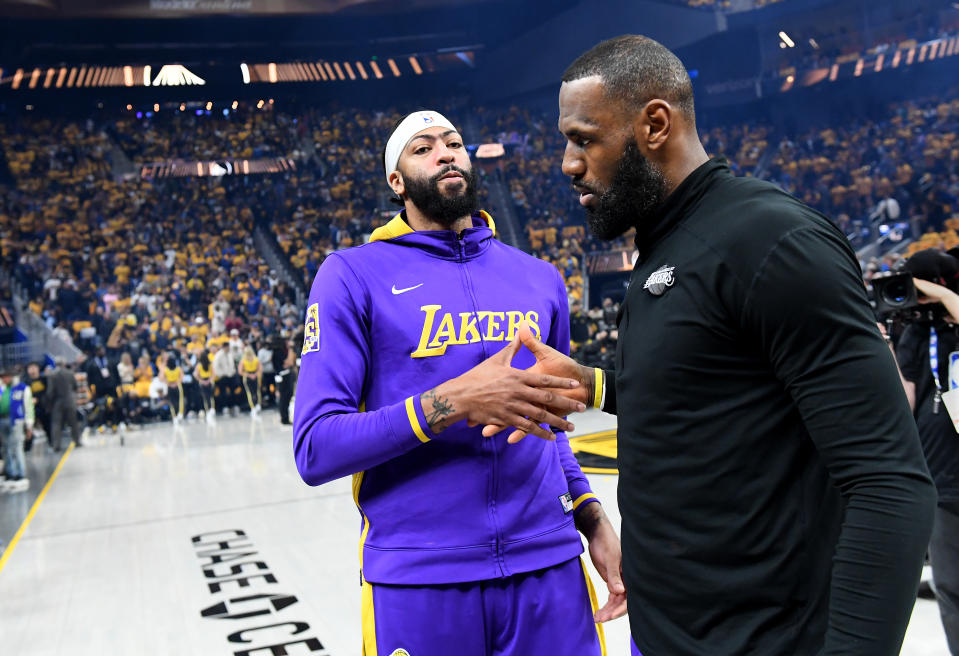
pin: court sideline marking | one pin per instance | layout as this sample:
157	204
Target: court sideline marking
600	449
33	510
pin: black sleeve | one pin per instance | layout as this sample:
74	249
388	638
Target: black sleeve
609	404
808	310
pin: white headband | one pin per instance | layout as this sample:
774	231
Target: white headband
406	130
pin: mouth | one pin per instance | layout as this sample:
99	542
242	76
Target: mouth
586	197
452	175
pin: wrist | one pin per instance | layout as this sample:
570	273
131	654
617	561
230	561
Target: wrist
593	379
443	406
587	380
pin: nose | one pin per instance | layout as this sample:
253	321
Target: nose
573	164
444	154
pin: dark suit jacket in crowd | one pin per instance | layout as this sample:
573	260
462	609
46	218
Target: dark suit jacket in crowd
62	387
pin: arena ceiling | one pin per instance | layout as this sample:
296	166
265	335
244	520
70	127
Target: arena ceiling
194	8
48	32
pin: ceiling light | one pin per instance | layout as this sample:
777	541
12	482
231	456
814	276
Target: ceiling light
173	75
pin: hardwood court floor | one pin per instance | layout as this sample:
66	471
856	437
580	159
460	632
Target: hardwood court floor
113	559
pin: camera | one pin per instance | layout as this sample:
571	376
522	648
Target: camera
895	294
897	300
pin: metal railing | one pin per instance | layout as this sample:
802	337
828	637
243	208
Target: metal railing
507	222
20	353
267	247
40	336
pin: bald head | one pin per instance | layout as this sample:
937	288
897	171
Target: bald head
634	70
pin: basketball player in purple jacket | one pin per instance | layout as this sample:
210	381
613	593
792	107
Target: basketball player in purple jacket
468	544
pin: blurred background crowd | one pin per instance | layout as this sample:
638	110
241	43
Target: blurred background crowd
162	281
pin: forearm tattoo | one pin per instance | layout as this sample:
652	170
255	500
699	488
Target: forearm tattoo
589	518
442	408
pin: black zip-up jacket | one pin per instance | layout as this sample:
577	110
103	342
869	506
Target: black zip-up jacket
774	495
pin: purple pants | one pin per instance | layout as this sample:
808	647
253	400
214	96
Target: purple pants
549	611
633	649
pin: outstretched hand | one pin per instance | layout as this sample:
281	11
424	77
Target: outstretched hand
493	392
549	362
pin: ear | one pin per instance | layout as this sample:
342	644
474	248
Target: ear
396	183
654	124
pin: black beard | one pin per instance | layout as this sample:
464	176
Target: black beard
426	195
636	193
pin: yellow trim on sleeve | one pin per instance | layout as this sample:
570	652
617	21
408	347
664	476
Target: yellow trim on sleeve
598	388
414	422
582	498
594	604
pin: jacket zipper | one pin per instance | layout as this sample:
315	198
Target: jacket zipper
487	443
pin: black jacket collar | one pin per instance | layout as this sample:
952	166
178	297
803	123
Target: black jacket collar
680	203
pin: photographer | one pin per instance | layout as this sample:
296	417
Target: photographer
925	354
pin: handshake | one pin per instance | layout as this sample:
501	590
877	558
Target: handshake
497	396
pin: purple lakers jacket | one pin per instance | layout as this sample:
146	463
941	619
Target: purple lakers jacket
390	320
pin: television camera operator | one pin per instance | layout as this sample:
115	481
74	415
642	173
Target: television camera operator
928	356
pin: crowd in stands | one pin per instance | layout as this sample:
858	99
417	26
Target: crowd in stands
846	171
197	134
336	194
163	274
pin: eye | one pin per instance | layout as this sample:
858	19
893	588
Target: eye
421	149
454	144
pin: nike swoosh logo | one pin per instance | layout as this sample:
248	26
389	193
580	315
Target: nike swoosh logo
408	289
